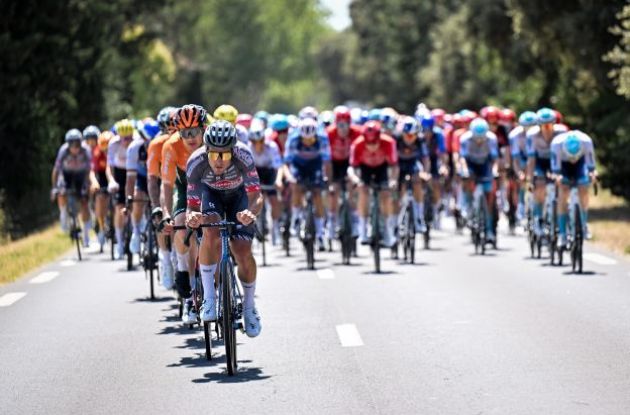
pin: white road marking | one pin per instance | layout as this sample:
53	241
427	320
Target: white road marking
325	274
599	259
349	335
44	277
10	298
67	262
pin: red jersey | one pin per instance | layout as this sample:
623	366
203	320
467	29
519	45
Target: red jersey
99	160
274	138
340	146
373	154
455	142
447	132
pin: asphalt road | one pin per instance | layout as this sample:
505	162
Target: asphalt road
456	334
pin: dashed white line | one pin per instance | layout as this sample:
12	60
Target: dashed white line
599	259
67	262
349	335
10	298
44	277
325	274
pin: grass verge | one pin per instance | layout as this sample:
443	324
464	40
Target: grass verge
21	256
609	220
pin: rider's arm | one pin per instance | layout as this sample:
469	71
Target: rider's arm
255	202
153	184
169	173
153	173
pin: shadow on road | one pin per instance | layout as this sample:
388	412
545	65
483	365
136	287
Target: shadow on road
244	374
149	300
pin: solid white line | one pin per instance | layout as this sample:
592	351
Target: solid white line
10	298
67	262
325	274
599	259
349	335
44	277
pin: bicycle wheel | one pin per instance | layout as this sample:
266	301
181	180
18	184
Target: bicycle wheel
376	239
309	237
483	215
127	242
286	234
229	326
76	235
578	241
346	233
149	259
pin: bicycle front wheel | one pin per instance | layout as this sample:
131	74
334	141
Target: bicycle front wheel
228	316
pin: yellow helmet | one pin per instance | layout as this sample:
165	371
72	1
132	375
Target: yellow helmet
226	112
124	128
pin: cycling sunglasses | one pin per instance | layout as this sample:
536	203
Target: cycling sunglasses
190	132
223	155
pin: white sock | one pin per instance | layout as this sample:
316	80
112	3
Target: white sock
391	222
249	290
182	262
319	227
362	227
296	213
136	227
86	228
207	279
165	257
119	236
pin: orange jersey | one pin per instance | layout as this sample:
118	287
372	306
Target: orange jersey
154	154
174	158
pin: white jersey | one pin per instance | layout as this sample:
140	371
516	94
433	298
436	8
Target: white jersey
518	141
479	152
117	153
269	157
559	156
537	146
137	156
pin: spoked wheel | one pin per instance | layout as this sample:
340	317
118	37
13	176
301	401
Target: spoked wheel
76	235
229	326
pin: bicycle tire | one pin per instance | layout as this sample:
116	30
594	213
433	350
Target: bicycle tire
151	260
76	237
553	234
578	240
376	238
127	242
309	236
483	233
229	329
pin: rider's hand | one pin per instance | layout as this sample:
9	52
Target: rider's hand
193	219
166	226
425	176
521	176
246	217
443	171
392	184
112	187
279	185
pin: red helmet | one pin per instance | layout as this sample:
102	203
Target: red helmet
490	113
458	120
438	115
244	119
559	116
448	118
508	115
372	130
342	114
467	118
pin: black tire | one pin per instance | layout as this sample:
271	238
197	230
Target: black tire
578	240
229	329
207	336
76	236
483	213
127	241
151	259
309	237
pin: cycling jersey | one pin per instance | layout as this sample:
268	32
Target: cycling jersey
175	155
502	136
436	147
99	165
540	149
269	157
273	137
576	173
117	153
340	146
137	161
410	155
154	154
76	163
375	154
518	144
300	155
479	156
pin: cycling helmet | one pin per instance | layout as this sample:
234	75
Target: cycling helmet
448	118
257	131
279	122
220	135
374	114
190	116
326	118
226	112
91	131
344	115
438	115
410	125
479	127
150	129
372	130
427	122
388	118
490	113
308	112
244	119
124	128
103	139
340	108
572	147
293	120
507	115
308	127
164	117
546	116
365	116
242	134
458	120
527	119
262	115
559	116
73	135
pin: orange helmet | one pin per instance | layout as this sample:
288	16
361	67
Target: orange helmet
190	116
103	139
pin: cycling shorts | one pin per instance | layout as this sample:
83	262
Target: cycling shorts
227	204
340	170
267	177
374	175
101	178
481	173
120	176
179	197
75	181
575	174
141	183
308	176
542	168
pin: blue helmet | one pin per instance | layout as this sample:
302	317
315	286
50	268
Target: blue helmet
572	147
528	118
427	122
150	129
546	116
279	122
364	117
374	114
479	127
262	115
410	126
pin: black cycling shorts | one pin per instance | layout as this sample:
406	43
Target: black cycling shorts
120	176
227	204
377	175
340	170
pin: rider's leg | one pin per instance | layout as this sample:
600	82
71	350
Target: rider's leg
209	255
437	195
318	203
387	211
563	198
86	219
100	211
182	281
276	212
333	208
362	209
242	250
137	211
539	199
297	197
584	199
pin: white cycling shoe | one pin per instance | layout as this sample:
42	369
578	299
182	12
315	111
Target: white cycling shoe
208	311
134	244
189	316
252	322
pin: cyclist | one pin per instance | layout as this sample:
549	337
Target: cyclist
307	157
226	112
72	172
99	177
437	156
518	148
308	112
538	163
573	163
341	135
280	131
245	120
388	119
374	154
166	124
492	115
412	153
90	136
222	180
117	176
479	155
189	122
267	160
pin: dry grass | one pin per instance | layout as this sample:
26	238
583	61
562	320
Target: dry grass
609	219
19	257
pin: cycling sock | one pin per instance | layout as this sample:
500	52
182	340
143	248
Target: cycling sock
319	227
182	262
87	226
362	227
537	209
207	280
119	237
296	213
136	227
249	290
562	223
584	217
165	257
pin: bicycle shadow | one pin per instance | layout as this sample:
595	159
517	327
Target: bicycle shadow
244	374
584	273
382	273
156	300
